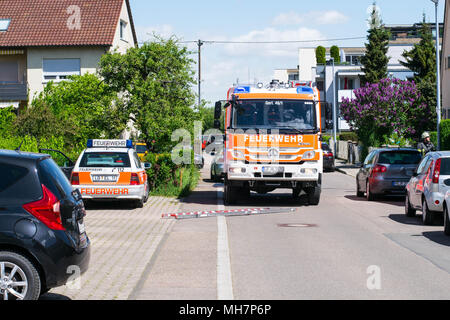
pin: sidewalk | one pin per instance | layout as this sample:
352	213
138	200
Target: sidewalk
346	168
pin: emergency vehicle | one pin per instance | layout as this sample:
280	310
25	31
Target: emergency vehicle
111	169
272	140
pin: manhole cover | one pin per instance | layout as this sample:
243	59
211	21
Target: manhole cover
297	225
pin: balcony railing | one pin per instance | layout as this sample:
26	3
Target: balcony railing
13	92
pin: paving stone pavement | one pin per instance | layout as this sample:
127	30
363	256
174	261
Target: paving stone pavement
123	241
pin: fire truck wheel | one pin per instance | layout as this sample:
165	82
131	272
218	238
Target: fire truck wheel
314	195
230	194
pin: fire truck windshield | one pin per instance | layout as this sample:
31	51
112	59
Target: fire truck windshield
296	115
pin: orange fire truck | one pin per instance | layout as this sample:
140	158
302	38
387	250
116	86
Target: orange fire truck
272	140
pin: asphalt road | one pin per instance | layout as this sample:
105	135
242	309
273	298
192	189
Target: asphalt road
344	248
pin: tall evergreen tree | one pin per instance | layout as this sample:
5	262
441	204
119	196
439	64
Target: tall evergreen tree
421	59
375	61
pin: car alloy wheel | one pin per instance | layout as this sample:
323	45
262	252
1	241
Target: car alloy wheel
13	281
427	215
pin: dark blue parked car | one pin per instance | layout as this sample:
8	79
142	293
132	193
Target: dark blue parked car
42	234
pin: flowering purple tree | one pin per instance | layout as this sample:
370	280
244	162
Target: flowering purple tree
389	107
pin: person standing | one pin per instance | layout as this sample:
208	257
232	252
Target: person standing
425	145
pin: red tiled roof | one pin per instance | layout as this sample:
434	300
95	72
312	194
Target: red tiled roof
45	22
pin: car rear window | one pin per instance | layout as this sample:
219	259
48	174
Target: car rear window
399	157
445	166
141	148
10	174
54	179
18	184
105	160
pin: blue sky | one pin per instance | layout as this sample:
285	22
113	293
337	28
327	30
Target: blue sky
251	20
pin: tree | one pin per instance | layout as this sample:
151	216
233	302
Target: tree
320	55
375	61
334	53
79	109
421	59
155	82
391	107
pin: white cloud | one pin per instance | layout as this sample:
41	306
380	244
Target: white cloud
273	35
289	18
331	17
312	18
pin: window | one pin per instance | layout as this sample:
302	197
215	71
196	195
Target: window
60	69
10	71
4	24
123	26
448	62
347	83
399	157
105	160
293	77
11	174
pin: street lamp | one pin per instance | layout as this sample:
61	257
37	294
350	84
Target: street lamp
438	79
334	107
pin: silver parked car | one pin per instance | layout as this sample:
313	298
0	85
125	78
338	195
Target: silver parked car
428	186
217	172
447	209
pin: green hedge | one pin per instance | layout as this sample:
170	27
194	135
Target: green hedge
169	179
445	135
31	144
346	136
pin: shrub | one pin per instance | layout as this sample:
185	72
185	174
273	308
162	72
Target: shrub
348	136
320	55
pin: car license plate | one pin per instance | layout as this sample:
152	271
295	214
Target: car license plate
81	227
272	170
104	178
399	184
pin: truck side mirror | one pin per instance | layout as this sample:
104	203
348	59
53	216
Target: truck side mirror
217	110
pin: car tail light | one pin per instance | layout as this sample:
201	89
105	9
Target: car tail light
378	169
75	178
46	210
437	171
134	179
328	154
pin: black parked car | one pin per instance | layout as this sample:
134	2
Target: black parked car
386	171
328	157
41	226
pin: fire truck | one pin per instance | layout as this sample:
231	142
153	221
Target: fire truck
271	140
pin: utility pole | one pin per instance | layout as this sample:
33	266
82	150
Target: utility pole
199	44
438	79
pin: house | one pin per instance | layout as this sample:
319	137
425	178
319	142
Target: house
336	82
49	40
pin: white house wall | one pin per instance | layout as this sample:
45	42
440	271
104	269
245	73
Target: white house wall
89	60
122	45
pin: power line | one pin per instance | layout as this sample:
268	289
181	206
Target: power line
268	42
273	42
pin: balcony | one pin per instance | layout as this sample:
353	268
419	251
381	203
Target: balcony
13	92
345	94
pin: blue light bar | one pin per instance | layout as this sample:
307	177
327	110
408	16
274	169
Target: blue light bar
305	90
244	89
112	143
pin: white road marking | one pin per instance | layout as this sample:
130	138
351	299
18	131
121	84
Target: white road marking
224	280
